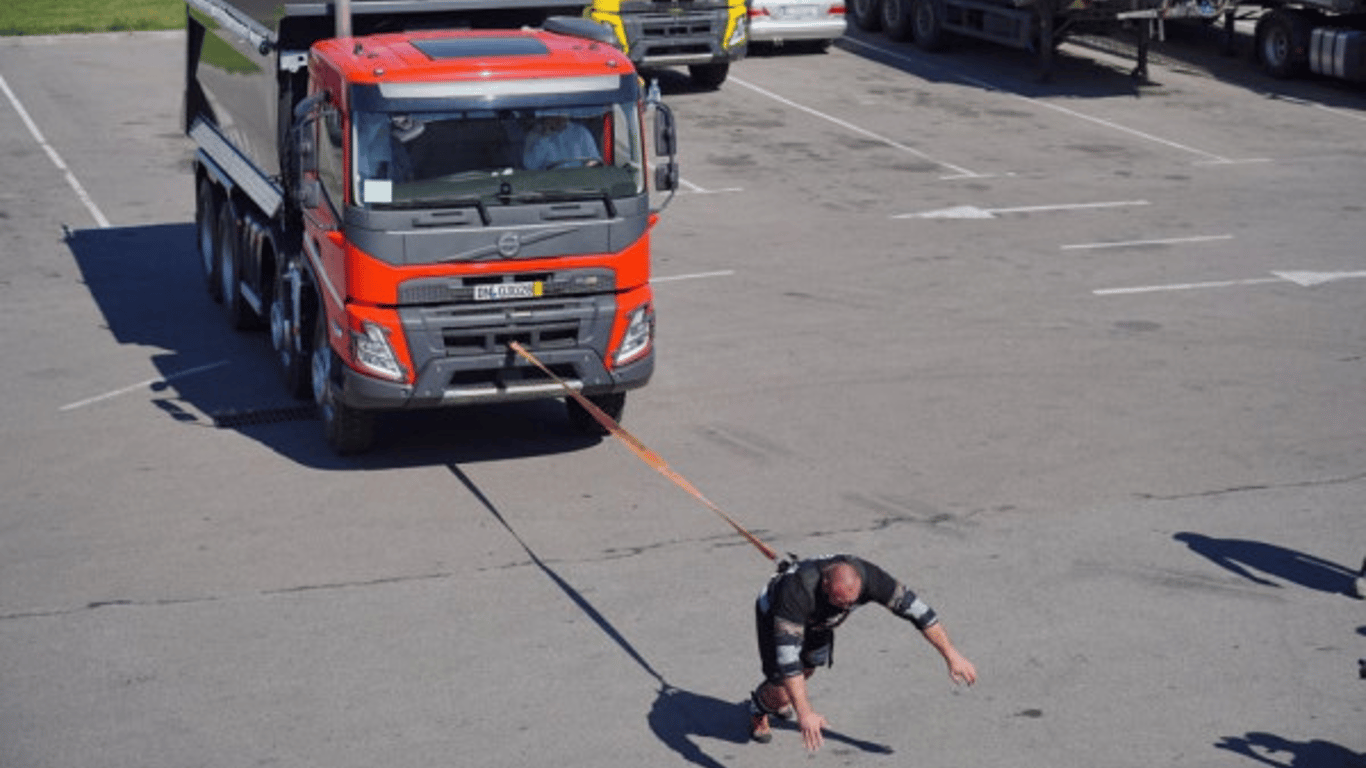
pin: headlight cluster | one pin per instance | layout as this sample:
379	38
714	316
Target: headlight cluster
640	331
370	348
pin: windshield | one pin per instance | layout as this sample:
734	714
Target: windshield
503	157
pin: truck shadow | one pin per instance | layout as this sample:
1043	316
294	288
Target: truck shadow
149	288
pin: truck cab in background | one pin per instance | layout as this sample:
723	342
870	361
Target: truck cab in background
704	35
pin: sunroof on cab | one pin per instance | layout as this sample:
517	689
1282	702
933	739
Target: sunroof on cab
481	47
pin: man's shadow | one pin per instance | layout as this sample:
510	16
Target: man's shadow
1280	752
677	716
1243	557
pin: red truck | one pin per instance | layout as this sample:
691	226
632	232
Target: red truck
400	201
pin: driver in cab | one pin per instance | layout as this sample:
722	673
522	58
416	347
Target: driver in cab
555	141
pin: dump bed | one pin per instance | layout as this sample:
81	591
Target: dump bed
246	65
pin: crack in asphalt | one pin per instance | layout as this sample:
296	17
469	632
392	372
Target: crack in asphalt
1257	487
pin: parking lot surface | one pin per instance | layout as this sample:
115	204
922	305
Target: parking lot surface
1081	362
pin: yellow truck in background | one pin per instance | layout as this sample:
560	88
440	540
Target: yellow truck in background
703	35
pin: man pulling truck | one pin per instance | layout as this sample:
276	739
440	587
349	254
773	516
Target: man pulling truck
795	618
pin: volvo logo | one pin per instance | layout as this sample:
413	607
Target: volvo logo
509	244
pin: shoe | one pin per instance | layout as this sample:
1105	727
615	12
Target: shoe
759	730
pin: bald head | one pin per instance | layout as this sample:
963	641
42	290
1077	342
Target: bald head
841	584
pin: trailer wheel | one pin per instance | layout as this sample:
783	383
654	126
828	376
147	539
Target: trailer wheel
348	430
229	269
1282	43
206	236
896	19
613	405
927	24
867	14
288	340
709	77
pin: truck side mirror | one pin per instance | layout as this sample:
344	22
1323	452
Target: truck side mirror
305	149
666	177
666	136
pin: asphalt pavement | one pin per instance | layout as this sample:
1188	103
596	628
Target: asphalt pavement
1082	362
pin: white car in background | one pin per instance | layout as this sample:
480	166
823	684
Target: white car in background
815	23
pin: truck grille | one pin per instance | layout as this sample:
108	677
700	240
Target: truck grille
478	341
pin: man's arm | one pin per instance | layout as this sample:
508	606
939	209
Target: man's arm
960	669
810	721
787	636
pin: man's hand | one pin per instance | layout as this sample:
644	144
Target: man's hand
960	669
811	724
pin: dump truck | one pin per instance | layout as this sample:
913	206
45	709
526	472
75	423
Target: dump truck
401	189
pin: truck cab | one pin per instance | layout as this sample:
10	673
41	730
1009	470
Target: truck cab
442	195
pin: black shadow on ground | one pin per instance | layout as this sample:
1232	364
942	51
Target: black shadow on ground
1280	752
1245	558
678	717
149	287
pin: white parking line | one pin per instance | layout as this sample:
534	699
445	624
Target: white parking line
1302	278
693	276
1207	157
973	212
56	158
141	385
959	171
1137	243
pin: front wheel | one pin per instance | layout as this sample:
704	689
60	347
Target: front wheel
348	430
709	77
613	405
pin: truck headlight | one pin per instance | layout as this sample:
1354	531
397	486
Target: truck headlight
370	349
640	331
738	36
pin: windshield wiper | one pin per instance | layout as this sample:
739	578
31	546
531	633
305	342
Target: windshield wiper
571	195
454	201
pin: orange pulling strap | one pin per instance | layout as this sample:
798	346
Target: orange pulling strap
646	455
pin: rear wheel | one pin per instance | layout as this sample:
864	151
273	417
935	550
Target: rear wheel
896	19
229	262
613	405
867	14
206	236
1282	42
348	430
927	24
290	343
709	76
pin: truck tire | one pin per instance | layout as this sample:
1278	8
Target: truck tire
867	14
348	430
709	77
206	236
290	343
229	266
927	25
896	19
1283	43
613	404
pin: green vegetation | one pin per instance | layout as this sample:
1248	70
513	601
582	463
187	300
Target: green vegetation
53	17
